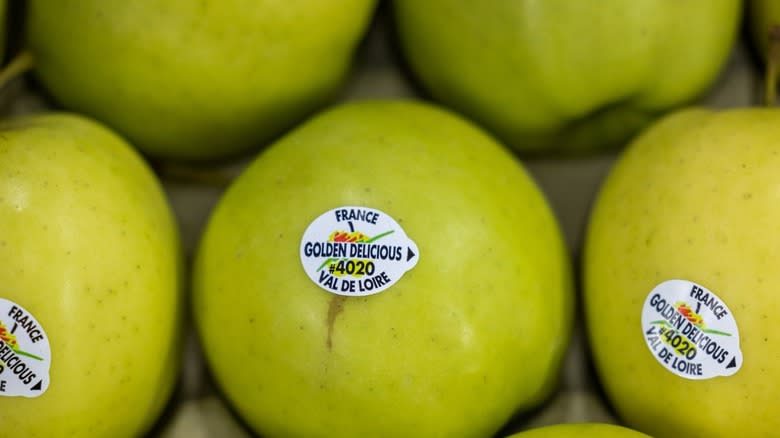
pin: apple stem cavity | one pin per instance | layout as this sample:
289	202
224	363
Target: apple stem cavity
190	174
773	53
19	65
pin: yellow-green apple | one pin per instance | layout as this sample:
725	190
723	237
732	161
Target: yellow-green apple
566	76
474	302
90	278
680	276
580	430
195	80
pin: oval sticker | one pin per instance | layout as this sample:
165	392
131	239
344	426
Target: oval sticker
690	331
25	355
356	251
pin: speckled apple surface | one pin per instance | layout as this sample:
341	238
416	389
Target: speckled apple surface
89	246
695	198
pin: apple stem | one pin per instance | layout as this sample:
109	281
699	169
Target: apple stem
20	64
773	53
190	174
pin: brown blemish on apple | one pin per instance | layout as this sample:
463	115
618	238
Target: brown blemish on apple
335	307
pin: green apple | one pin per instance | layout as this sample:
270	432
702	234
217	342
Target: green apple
90	267
477	315
195	80
580	430
680	274
561	76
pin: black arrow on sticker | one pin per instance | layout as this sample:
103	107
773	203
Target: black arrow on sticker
37	386
409	254
732	364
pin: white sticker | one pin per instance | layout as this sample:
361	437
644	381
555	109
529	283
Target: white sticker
356	251
25	356
691	331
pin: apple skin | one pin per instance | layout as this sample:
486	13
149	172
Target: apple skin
195	80
89	246
580	430
474	332
695	197
564	77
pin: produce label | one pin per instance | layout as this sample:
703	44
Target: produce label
690	331
356	251
25	355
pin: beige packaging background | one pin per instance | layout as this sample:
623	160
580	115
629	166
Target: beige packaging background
196	410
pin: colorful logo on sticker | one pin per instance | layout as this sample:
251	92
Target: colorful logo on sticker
690	331
25	354
356	251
